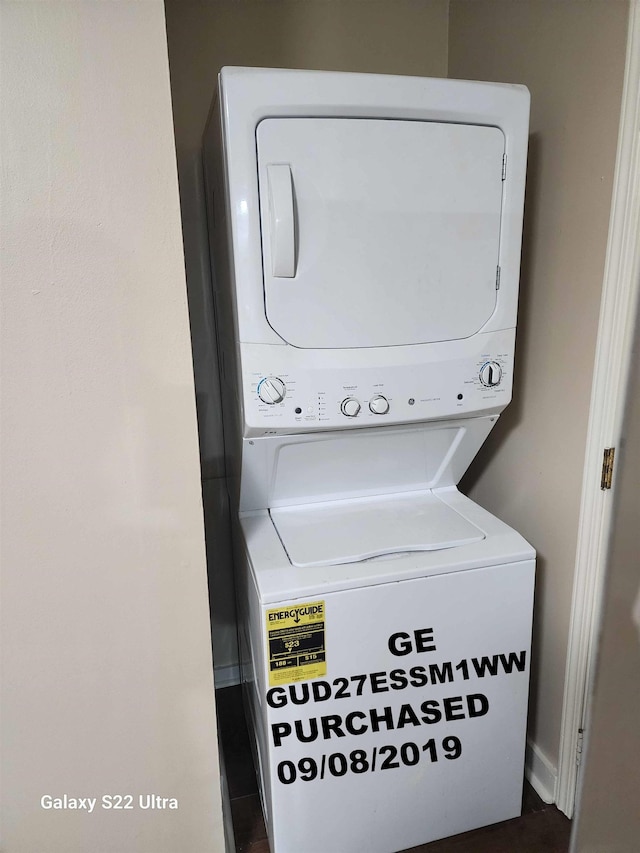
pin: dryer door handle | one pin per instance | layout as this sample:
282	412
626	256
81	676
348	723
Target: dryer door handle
282	223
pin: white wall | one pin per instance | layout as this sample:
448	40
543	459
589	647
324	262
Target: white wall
107	673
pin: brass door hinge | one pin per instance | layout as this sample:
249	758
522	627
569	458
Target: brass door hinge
579	745
607	467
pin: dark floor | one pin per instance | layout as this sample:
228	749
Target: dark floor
540	829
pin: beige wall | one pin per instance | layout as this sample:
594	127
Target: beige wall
608	819
106	671
398	37
571	56
393	37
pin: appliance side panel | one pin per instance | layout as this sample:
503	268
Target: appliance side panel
224	294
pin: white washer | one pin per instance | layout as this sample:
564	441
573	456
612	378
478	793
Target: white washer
365	234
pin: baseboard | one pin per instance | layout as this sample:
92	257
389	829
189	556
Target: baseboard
540	773
227	819
226	676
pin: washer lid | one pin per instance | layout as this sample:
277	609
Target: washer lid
353	530
378	232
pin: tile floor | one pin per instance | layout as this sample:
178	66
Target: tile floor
540	829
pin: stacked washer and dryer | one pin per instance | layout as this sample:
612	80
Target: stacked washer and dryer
365	235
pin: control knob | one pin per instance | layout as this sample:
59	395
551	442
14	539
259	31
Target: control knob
379	405
350	407
271	390
490	374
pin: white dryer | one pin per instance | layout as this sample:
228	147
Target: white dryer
365	235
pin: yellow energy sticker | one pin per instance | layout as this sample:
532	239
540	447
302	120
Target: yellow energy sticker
296	641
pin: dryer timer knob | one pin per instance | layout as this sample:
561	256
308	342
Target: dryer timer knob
490	374
271	390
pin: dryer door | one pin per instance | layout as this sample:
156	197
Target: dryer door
378	232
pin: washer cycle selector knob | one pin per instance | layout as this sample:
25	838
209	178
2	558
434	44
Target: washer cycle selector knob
379	405
490	374
350	407
271	390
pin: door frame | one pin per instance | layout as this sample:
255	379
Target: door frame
620	291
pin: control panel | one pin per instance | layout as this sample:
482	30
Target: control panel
285	397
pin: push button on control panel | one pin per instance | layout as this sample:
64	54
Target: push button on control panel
379	405
350	407
490	374
271	390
